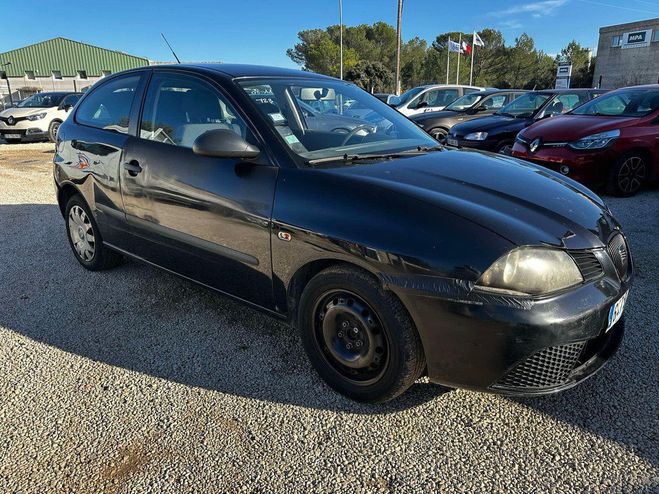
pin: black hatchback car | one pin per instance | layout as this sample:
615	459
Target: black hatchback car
467	107
497	132
393	257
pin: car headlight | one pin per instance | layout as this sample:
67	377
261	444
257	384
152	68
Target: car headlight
38	116
531	271
476	136
596	141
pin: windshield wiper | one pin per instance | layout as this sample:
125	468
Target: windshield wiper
350	158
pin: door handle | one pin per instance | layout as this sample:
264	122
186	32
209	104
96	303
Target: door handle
133	168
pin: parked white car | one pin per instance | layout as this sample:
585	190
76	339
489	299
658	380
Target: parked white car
37	117
433	97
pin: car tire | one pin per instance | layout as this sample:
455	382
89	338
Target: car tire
505	148
627	175
438	133
340	300
85	238
52	130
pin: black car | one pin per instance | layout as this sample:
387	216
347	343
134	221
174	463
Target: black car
497	132
393	257
463	109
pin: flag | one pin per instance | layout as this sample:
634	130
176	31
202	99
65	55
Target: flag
453	46
477	40
466	48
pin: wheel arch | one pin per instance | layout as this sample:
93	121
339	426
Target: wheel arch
307	271
64	193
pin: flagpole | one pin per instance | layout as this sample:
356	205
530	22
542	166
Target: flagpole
473	49
448	57
457	72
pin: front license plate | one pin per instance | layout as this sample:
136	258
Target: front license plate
12	136
615	312
452	142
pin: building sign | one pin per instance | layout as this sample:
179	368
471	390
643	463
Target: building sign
564	71
563	74
636	39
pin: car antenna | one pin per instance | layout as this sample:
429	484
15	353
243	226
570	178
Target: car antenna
170	47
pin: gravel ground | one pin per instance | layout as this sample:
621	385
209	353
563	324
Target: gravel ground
132	380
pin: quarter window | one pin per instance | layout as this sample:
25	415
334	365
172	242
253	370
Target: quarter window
179	108
108	106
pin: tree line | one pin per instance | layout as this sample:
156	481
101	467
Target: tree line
369	59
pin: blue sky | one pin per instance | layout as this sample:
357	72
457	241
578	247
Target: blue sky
260	31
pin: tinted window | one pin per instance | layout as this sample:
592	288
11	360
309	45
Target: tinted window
108	106
440	97
464	102
565	102
524	106
42	100
494	102
627	103
71	99
179	108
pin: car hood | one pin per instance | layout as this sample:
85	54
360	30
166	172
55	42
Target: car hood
489	124
23	112
524	203
572	127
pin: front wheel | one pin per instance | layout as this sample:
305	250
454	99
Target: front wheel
85	238
505	148
359	337
438	134
627	175
52	130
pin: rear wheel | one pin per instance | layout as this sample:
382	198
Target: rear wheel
52	130
359	337
627	175
85	238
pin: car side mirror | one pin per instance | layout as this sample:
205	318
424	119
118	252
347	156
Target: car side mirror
394	101
66	107
223	143
421	104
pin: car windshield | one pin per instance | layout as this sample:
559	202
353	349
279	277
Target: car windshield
525	106
409	94
466	101
42	100
627	103
312	119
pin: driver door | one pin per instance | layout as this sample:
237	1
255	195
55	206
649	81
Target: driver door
202	217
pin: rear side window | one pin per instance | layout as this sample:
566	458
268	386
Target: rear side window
108	106
180	108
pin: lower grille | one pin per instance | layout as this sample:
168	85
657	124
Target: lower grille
547	368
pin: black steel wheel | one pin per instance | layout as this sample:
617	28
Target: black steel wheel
349	334
359	337
627	175
85	238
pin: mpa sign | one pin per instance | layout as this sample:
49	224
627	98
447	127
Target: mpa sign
637	39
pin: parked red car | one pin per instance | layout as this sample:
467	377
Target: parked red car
611	140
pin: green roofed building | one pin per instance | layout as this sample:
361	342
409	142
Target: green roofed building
59	64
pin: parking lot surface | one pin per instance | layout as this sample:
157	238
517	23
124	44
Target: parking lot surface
133	380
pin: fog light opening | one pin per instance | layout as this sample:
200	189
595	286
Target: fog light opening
565	169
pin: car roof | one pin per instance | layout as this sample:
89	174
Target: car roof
560	91
245	70
487	92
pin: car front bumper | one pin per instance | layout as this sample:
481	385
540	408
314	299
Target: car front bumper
25	129
509	345
586	166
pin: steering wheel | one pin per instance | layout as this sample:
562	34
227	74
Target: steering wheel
354	131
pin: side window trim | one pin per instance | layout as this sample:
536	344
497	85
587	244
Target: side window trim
108	80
